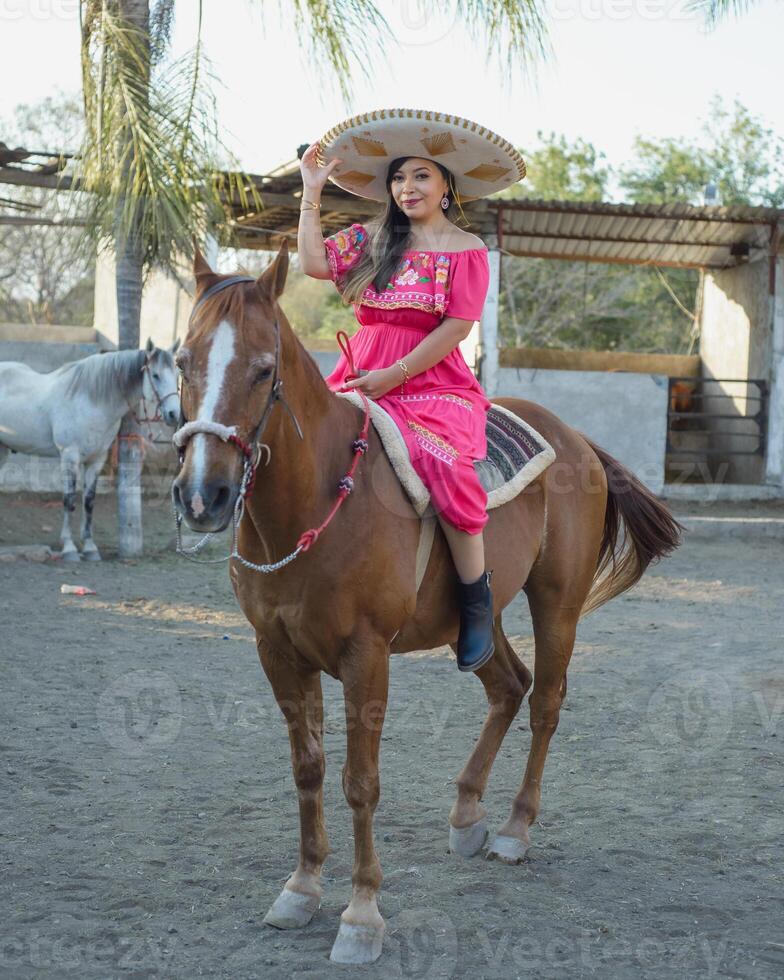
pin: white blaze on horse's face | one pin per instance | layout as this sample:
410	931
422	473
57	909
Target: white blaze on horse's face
220	357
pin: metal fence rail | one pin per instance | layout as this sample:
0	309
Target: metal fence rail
689	411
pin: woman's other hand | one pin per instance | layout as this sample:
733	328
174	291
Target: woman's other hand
377	383
313	176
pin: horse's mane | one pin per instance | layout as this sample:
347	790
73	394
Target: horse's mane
104	376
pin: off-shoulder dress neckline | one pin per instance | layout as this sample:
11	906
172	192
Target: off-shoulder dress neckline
442	251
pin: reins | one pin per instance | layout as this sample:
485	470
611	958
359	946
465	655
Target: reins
252	452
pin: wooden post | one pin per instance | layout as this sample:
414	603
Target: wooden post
489	322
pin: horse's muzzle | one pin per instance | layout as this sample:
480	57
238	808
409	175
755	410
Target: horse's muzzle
206	507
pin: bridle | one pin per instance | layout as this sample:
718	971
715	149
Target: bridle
252	451
160	400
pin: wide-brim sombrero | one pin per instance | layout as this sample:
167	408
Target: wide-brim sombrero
481	161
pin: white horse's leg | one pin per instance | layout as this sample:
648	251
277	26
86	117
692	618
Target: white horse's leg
69	467
91	471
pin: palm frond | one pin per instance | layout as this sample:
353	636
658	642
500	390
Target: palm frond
517	28
714	11
161	27
152	147
341	36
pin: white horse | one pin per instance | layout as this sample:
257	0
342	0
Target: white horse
75	413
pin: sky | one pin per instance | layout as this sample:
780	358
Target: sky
619	68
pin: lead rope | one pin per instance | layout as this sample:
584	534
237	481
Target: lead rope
307	538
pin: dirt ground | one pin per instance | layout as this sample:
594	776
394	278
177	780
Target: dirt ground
149	815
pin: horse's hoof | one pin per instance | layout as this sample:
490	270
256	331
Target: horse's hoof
357	944
71	555
468	841
93	554
292	910
510	850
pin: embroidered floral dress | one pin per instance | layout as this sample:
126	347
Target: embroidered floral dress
442	412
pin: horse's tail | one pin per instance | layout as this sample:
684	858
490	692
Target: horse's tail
649	533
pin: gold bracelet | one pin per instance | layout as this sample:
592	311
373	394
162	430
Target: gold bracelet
404	368
311	205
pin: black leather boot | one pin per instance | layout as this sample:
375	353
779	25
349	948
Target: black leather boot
475	643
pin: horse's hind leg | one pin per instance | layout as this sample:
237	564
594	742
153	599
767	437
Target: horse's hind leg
506	681
298	694
555	610
69	468
91	471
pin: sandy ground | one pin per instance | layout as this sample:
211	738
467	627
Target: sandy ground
149	816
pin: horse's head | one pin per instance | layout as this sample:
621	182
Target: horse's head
159	383
228	371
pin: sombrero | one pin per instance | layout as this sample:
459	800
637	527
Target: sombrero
481	161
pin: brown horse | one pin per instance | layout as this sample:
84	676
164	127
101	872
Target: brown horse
350	601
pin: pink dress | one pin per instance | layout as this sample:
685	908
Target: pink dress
442	412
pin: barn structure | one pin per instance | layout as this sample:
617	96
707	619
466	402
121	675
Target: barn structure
679	422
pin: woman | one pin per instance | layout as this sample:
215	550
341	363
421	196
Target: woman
418	284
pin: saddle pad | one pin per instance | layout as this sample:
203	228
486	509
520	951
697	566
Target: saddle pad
516	454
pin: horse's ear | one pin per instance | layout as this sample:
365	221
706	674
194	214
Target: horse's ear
175	346
200	265
150	346
202	272
273	280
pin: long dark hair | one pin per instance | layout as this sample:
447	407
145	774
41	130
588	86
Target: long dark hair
389	236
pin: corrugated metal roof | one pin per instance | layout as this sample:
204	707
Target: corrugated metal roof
641	234
595	231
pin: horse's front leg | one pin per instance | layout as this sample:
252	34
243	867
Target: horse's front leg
89	549
69	469
365	677
298	694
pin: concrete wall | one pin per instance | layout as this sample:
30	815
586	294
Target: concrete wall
166	306
624	413
735	342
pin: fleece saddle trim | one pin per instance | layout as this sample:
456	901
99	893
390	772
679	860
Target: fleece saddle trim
516	455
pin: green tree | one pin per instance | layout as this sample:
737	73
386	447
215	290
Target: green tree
44	277
595	306
735	151
665	171
559	171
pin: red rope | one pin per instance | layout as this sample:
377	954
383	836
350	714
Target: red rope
360	445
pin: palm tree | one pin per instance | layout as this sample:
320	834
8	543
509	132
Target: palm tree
152	148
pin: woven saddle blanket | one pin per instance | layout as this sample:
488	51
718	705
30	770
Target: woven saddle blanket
516	455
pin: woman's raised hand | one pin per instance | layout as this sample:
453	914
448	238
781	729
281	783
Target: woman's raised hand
313	176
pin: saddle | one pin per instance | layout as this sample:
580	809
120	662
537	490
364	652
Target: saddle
516	455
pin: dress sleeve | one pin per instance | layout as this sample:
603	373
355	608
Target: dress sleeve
344	248
469	283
